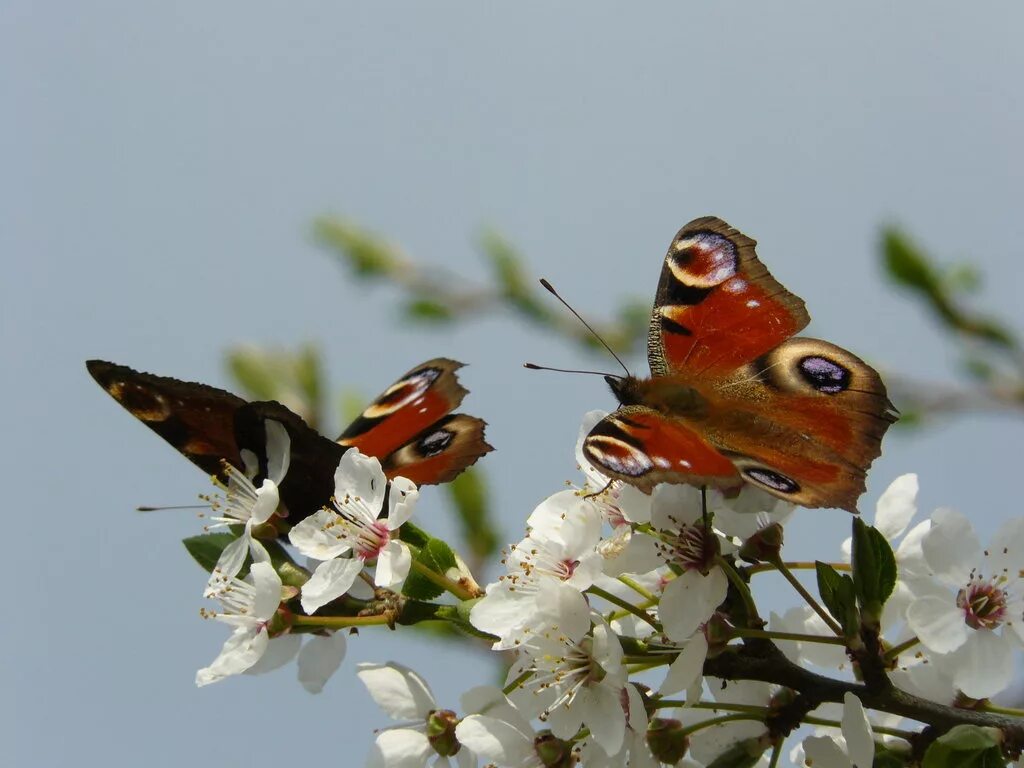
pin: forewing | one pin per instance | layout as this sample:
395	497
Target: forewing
640	446
198	420
717	307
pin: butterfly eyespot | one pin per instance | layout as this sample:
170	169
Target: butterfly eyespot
702	259
771	479
824	375
435	442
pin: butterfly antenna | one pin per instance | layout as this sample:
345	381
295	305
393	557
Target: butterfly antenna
551	289
182	506
535	367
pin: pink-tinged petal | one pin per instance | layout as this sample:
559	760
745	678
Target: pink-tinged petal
398	690
983	666
360	476
951	547
240	651
330	581
896	506
400	748
495	740
401	502
320	658
279	652
687	667
689	600
267	585
860	742
938	622
393	565
310	536
823	752
278	451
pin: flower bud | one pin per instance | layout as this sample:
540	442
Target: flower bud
441	732
667	740
553	752
764	545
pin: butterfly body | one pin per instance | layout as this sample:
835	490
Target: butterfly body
734	396
409	428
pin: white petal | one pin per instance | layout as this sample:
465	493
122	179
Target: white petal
687	667
400	748
560	605
689	600
984	666
896	506
604	717
360	476
268	497
268	590
860	742
938	622
278	451
399	691
823	752
330	581
401	502
280	650
496	740
320	658
240	651
500	611
311	538
230	562
951	546
393	565
1007	550
673	506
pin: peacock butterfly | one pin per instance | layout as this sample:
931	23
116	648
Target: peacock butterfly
409	428
733	396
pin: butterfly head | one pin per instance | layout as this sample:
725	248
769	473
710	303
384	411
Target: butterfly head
628	390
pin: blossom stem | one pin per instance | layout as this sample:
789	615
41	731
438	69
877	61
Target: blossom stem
796	636
517	682
996	709
338	622
896	650
638	588
776	754
827	723
624	605
794	565
442	581
815	605
720	721
742	588
757	711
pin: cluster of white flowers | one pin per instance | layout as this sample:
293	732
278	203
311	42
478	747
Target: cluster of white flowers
609	604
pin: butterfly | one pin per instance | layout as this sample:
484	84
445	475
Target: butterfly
733	395
409	428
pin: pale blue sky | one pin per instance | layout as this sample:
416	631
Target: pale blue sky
160	165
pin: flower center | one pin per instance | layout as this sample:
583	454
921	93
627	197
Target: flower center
983	604
693	548
372	539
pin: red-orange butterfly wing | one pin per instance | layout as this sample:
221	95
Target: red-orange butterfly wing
411	429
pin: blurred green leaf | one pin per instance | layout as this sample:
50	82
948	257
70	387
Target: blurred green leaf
468	493
965	746
367	254
907	264
294	378
428	310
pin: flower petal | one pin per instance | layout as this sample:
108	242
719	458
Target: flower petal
401	502
496	740
984	665
689	600
951	547
330	581
278	451
938	622
310	536
896	506
320	658
393	565
400	748
360	476
398	690
687	667
240	651
860	742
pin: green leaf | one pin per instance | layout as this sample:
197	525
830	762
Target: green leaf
965	746
367	254
438	557
744	754
206	548
428	310
468	493
908	265
874	568
839	596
